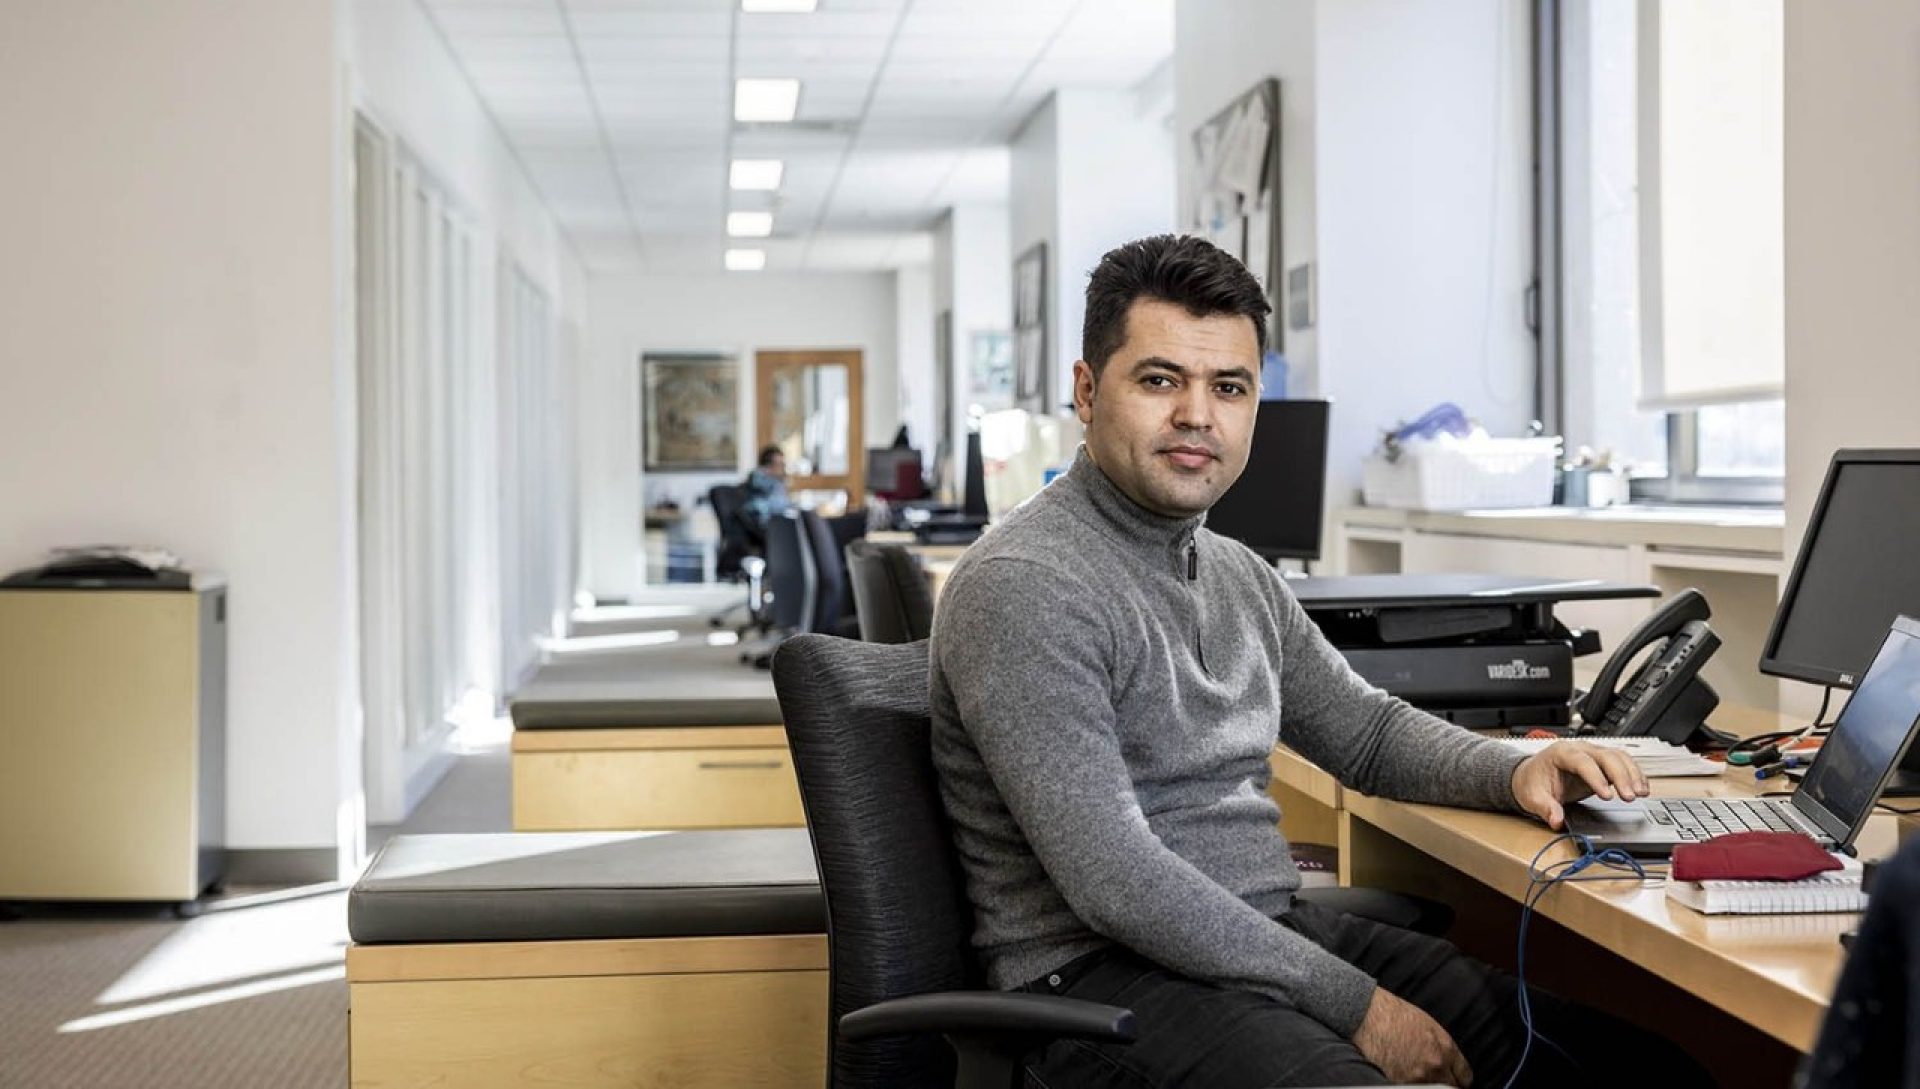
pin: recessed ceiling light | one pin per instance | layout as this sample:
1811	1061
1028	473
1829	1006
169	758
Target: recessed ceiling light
756	173
746	260
749	224
778	5
765	99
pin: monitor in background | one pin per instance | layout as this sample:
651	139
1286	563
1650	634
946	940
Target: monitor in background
893	472
1277	506
974	495
1858	568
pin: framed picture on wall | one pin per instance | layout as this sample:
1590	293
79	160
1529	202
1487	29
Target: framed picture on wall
689	412
1031	390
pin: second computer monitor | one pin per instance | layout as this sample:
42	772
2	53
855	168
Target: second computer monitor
1277	506
1856	570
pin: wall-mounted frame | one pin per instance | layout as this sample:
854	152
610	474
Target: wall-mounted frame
1236	190
1032	384
690	413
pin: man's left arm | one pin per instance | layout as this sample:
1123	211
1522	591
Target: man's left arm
1381	745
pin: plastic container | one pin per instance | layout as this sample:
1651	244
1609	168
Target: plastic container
1465	475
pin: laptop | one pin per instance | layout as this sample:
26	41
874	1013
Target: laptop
1836	796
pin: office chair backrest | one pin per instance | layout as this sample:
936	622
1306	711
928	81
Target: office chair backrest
898	919
790	572
736	540
830	575
890	593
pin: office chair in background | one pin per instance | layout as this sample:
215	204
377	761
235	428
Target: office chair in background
739	558
792	582
897	914
833	601
890	593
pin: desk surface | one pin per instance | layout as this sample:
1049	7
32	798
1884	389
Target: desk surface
1774	972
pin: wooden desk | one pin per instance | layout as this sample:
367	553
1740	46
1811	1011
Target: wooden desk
1774	973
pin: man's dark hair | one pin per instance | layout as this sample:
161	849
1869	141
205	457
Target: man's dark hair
768	453
1180	269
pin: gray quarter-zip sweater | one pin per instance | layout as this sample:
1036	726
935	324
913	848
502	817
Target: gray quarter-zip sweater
1107	684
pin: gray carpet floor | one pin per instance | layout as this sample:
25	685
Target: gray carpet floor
250	995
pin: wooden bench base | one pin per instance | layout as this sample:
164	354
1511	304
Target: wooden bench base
655	777
667	1013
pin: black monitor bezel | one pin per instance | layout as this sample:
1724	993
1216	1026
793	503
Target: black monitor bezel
1844	832
1322	411
1770	662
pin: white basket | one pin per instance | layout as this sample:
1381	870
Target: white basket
1464	476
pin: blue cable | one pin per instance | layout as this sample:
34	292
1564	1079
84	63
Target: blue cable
1540	881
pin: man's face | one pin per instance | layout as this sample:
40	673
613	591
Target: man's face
1170	419
777	466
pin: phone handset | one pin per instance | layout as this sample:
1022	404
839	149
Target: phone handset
1665	697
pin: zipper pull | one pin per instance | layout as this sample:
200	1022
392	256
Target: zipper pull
1193	561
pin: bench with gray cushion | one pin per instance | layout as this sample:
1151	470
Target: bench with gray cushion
543	886
589	959
682	740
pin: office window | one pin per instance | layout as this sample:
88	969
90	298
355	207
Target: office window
1670	215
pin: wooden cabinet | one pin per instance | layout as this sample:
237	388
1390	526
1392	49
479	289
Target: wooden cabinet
654	778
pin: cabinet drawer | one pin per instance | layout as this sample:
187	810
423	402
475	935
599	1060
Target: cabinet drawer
660	788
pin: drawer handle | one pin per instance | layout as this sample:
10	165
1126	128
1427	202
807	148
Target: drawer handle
740	765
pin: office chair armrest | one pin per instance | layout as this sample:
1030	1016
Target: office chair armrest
991	1013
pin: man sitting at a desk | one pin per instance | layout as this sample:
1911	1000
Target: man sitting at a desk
1108	679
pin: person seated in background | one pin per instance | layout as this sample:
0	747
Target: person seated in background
766	489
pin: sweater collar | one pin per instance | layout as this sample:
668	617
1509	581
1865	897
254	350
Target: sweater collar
1114	507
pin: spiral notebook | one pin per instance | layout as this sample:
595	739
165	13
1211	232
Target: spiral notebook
1835	890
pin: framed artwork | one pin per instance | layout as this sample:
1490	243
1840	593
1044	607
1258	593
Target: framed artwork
1236	187
690	413
990	371
1031	389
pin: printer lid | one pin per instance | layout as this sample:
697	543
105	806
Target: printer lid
1429	591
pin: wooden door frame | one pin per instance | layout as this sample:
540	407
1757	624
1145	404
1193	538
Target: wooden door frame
766	364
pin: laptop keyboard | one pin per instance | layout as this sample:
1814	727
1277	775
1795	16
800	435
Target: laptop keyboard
1696	819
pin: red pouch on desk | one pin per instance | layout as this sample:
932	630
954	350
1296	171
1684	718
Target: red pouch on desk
1752	856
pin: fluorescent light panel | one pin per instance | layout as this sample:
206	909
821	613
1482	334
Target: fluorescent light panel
756	173
746	260
765	99
749	224
778	5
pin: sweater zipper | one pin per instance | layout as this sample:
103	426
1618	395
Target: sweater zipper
1193	560
1193	592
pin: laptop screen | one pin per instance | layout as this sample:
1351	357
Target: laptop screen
1869	738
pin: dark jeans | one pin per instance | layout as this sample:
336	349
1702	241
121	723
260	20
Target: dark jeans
1199	1035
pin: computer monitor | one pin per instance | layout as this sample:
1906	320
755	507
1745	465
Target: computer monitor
893	472
1277	506
973	492
1858	568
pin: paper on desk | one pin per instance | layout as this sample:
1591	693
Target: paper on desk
1657	759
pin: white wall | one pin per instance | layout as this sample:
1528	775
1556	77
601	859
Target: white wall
174	367
913	345
403	76
1853	237
1424	216
1090	170
973	277
1221	49
1405	179
735	312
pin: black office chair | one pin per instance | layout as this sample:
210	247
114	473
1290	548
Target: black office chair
833	603
890	593
739	558
897	915
792	583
